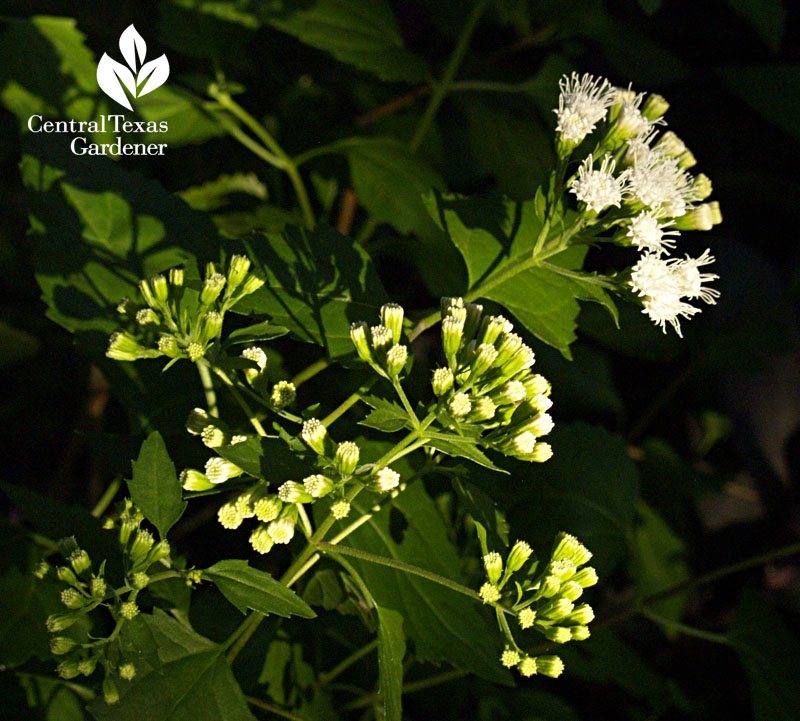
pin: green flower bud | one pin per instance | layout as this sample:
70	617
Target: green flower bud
460	405
510	392
229	517
396	359
176	280
41	570
66	575
347	457
527	666
210	326
127	526
568	547
526	618
540	424
98	587
558	634
316	437
536	385
140	580
251	284
392	318
127	671
218	470
551	666
540	404
259	357
122	346
128	610
654	106
60	621
586	577
702	187
340	509
442	381
358	334
518	556
318	485
582	615
451	305
126	307
493	563
452	333
473	319
72	599
267	508
160	289
198	419
670	145
238	269
283	394
483	409
214	437
381	338
159	551
142	543
212	287
580	633
563	569
485	356
702	217
195	351
194	480
687	160
260	540
168	345
541	452
550	586
384	480
557	609
110	691
147	316
59	645
489	593
87	666
492	327
281	530
524	358
510	657
68	669
292	492
571	590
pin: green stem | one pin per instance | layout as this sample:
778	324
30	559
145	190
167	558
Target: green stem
204	371
107	497
411	687
348	403
251	416
684	629
277	710
326	678
404	399
308	373
449	73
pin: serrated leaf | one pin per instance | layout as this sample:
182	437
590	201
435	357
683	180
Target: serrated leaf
192	683
246	587
770	654
318	283
363	33
385	415
496	238
270	459
154	487
462	448
443	625
391	650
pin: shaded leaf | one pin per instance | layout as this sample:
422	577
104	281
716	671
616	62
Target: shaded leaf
768	18
154	487
391	650
463	448
270	459
385	415
246	587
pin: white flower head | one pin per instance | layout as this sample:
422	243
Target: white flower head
583	102
659	183
630	123
647	233
690	280
599	189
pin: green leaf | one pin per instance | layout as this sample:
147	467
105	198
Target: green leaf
770	654
255	333
192	683
458	447
215	193
363	33
497	237
587	488
391	650
443	625
270	459
768	18
657	560
246	587
154	487
386	416
390	182
318	282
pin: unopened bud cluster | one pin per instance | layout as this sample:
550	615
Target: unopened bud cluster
488	384
86	589
379	345
546	601
634	183
177	320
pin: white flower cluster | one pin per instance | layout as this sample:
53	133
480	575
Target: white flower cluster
638	179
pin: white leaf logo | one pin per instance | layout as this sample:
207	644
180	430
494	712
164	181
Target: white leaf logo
138	77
